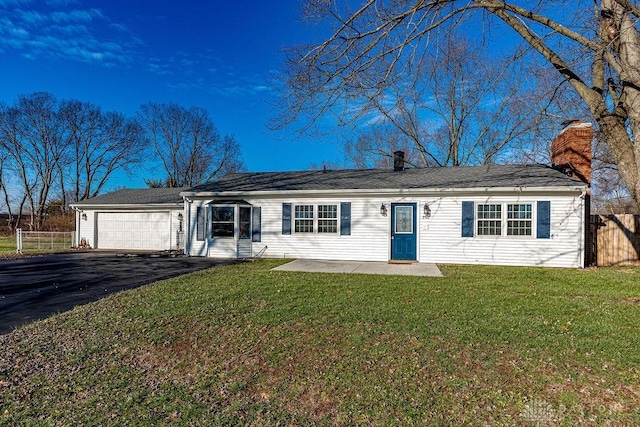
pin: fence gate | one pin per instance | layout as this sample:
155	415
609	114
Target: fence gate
615	239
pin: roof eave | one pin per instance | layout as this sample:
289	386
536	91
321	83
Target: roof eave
126	205
574	188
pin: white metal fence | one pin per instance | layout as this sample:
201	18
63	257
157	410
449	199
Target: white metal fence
44	241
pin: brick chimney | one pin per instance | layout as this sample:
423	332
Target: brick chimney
398	160
571	150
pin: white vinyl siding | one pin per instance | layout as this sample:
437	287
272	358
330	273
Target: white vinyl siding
195	246
439	236
441	242
368	241
85	229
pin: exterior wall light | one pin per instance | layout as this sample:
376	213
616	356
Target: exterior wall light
427	211
83	216
180	216
383	210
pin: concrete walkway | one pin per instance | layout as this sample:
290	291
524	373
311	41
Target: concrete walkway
360	267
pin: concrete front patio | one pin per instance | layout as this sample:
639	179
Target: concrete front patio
360	267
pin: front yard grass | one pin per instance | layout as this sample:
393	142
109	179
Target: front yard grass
7	244
243	345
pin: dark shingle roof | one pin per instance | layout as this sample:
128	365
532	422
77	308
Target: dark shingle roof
136	196
385	179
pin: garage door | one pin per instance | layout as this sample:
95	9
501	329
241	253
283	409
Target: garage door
134	230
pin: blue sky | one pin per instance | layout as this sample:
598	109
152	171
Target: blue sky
117	54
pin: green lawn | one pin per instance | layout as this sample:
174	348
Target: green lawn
244	345
7	244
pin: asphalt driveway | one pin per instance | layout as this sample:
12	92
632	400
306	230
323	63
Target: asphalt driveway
34	288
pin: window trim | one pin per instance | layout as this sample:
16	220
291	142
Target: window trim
504	219
489	220
304	220
529	220
211	221
315	211
333	209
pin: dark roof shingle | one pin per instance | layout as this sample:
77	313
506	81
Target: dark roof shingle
136	196
386	179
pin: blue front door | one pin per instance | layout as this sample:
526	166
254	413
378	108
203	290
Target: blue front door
403	231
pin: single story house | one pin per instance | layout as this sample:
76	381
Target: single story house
510	215
148	219
528	215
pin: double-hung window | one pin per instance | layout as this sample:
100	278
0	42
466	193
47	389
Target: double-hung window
489	220
222	221
512	220
327	218
303	219
315	219
519	220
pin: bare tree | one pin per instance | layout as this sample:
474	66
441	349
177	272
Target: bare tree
51	151
459	108
156	183
373	46
32	138
187	144
6	188
100	144
374	147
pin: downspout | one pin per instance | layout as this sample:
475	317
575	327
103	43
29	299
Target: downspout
584	199
76	238
186	229
588	238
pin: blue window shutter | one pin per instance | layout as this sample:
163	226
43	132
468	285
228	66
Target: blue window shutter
467	219
286	218
345	218
544	220
256	224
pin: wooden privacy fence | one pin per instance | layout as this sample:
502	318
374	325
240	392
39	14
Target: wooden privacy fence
615	239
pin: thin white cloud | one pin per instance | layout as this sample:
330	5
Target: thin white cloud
64	29
62	3
242	87
71	33
14	3
30	17
75	16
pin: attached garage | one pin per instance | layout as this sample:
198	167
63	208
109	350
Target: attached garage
134	230
149	219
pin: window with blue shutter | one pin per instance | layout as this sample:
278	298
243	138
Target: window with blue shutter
256	224
543	224
345	218
467	219
286	218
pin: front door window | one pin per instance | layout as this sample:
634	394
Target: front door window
404	219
